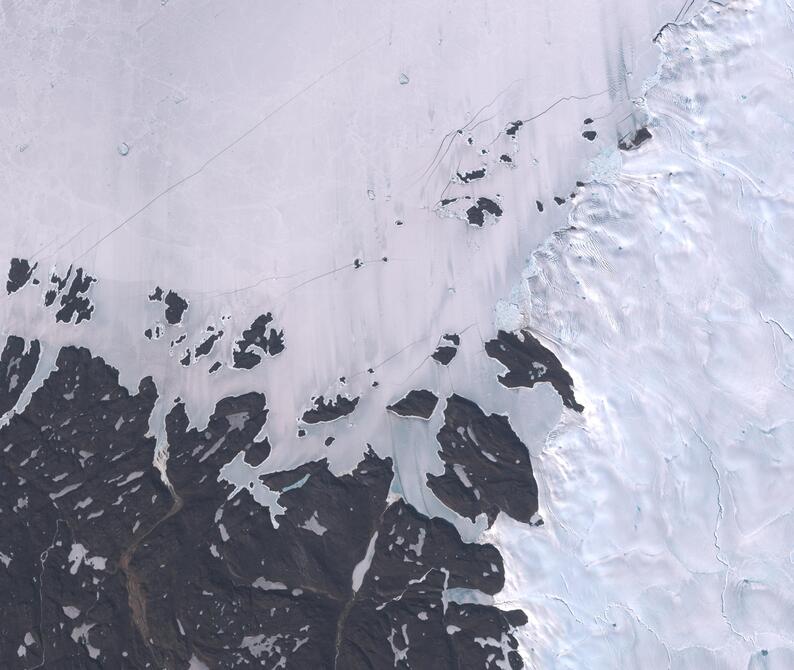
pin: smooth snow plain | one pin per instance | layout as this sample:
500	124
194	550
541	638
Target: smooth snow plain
246	155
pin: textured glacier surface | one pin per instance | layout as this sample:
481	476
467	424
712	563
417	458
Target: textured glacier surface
668	540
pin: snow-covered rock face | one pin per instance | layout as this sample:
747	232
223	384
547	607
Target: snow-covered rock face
342	427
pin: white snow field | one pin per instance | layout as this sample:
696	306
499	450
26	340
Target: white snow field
669	539
257	157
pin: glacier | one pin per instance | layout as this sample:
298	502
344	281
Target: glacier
238	234
669	298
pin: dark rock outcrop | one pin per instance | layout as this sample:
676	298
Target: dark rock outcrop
528	363
417	403
329	410
486	466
